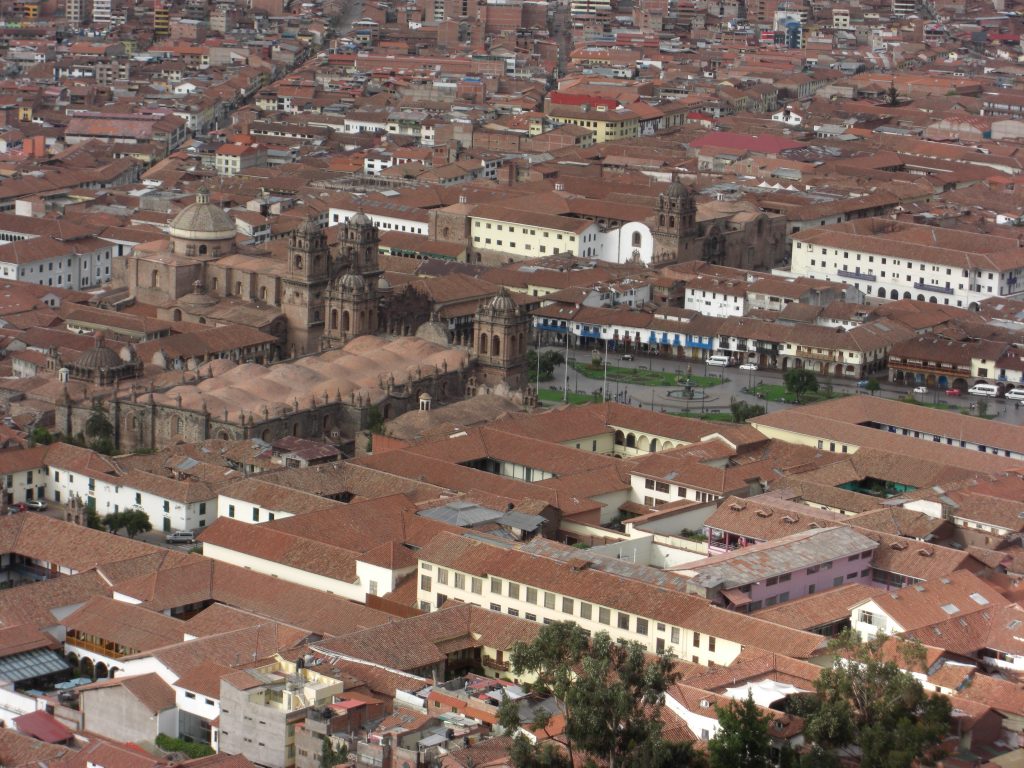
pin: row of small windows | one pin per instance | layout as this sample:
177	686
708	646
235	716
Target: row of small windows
552	601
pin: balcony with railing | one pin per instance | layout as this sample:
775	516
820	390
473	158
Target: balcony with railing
492	663
813	354
101	648
928	367
856	275
933	288
719	541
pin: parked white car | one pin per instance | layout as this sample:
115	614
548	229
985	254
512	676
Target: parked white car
721	360
920	390
1017	393
748	367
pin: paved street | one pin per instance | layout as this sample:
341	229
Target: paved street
719	397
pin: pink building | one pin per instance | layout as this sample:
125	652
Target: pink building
761	575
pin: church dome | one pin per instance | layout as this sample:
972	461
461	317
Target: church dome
383	284
308	228
360	220
99	357
353	282
675	189
198	299
203	220
502	303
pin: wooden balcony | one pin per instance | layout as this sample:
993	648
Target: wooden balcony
109	650
490	663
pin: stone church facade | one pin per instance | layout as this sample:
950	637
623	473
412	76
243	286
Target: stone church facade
317	300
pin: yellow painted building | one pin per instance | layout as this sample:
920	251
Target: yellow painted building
607	124
528	235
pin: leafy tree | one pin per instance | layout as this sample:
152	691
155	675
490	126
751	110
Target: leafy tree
375	420
866	699
551	657
615	701
525	753
134	520
329	756
742	410
873	385
742	740
892	95
99	430
92	519
98	425
612	694
113	522
800	380
41	436
659	753
548	361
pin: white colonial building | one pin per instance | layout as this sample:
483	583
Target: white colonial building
896	260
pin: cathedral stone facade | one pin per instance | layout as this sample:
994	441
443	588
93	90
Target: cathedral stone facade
720	233
320	300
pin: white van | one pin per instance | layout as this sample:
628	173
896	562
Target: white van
985	390
1017	393
722	360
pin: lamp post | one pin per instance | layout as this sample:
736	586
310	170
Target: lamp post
565	383
604	387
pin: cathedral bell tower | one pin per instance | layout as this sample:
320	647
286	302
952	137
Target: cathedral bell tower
353	301
304	287
501	332
675	225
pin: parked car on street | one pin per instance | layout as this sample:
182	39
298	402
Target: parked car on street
181	537
1017	393
748	367
954	392
920	390
36	506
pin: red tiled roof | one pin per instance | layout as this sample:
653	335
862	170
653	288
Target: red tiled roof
43	726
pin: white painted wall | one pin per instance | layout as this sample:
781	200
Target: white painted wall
286	573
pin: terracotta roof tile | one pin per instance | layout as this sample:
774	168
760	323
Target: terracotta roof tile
149	690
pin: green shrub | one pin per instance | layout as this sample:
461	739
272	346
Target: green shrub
191	748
